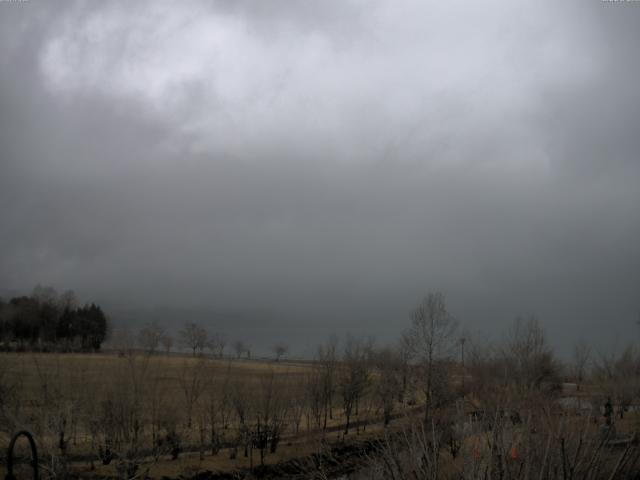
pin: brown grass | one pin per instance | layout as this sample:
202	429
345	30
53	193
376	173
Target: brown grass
72	386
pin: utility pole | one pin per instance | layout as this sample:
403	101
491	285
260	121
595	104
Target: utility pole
462	340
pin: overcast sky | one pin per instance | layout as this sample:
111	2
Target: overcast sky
324	164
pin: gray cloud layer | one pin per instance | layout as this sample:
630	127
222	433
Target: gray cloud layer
327	163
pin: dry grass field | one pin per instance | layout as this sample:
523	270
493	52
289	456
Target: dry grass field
128	414
31	372
169	415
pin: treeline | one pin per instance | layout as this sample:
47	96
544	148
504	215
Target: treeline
48	321
447	403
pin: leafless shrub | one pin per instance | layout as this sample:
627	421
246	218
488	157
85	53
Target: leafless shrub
539	447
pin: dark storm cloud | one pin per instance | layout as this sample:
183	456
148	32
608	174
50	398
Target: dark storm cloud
326	163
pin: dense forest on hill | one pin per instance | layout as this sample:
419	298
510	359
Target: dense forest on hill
46	321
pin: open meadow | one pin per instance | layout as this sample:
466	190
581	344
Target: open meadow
101	414
135	407
130	414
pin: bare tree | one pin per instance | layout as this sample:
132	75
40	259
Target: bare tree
150	336
216	407
280	349
389	381
486	366
167	343
269	414
298	402
580	360
315	395
242	406
328	360
217	344
192	383
156	404
193	337
564	448
403	357
625	385
121	416
239	348
58	402
604	366
431	339
354	378
529	359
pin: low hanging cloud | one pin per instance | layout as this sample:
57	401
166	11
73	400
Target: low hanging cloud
327	163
